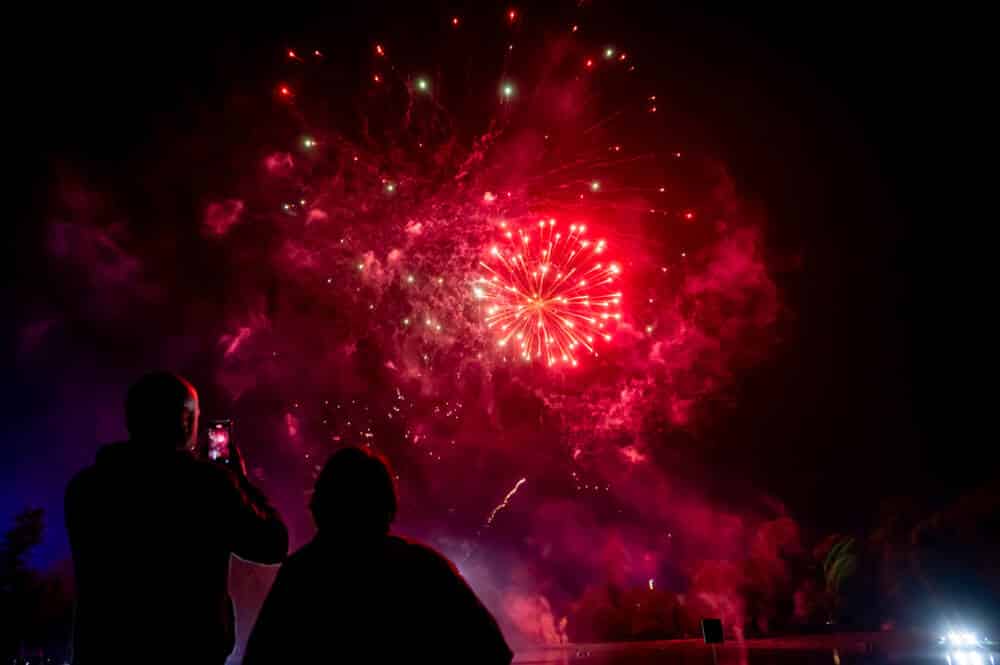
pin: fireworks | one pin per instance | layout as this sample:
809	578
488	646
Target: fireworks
416	261
448	261
506	501
550	295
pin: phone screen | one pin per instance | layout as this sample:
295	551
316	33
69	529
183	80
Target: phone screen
220	433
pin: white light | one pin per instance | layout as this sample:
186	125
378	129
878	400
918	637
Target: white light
969	638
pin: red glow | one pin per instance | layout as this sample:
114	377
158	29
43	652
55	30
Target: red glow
420	246
512	15
279	163
291	54
317	54
220	217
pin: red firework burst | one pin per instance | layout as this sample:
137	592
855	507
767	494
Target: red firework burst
549	295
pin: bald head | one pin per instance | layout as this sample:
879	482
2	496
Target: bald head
162	409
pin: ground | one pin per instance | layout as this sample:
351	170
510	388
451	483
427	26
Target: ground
869	648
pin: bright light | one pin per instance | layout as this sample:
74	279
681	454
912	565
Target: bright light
595	186
968	657
507	90
422	85
609	52
533	301
965	638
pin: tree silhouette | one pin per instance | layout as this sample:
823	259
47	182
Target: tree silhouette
34	609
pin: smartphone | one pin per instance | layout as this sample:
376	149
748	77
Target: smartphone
220	440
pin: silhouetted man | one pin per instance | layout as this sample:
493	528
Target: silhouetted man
357	594
151	527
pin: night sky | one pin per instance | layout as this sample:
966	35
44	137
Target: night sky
849	137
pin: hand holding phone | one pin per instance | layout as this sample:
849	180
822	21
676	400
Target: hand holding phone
221	447
220	440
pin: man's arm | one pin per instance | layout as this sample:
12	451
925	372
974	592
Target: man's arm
256	531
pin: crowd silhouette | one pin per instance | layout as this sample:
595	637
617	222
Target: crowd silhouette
355	593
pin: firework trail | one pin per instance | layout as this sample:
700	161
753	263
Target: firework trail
506	501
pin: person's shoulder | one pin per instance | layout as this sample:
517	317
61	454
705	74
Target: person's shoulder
80	482
422	554
106	458
303	563
413	547
303	555
88	475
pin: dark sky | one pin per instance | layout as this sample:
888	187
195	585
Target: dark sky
857	131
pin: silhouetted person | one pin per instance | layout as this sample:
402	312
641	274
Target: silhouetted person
357	594
151	527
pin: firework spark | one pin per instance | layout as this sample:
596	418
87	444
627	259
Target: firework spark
550	294
506	501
